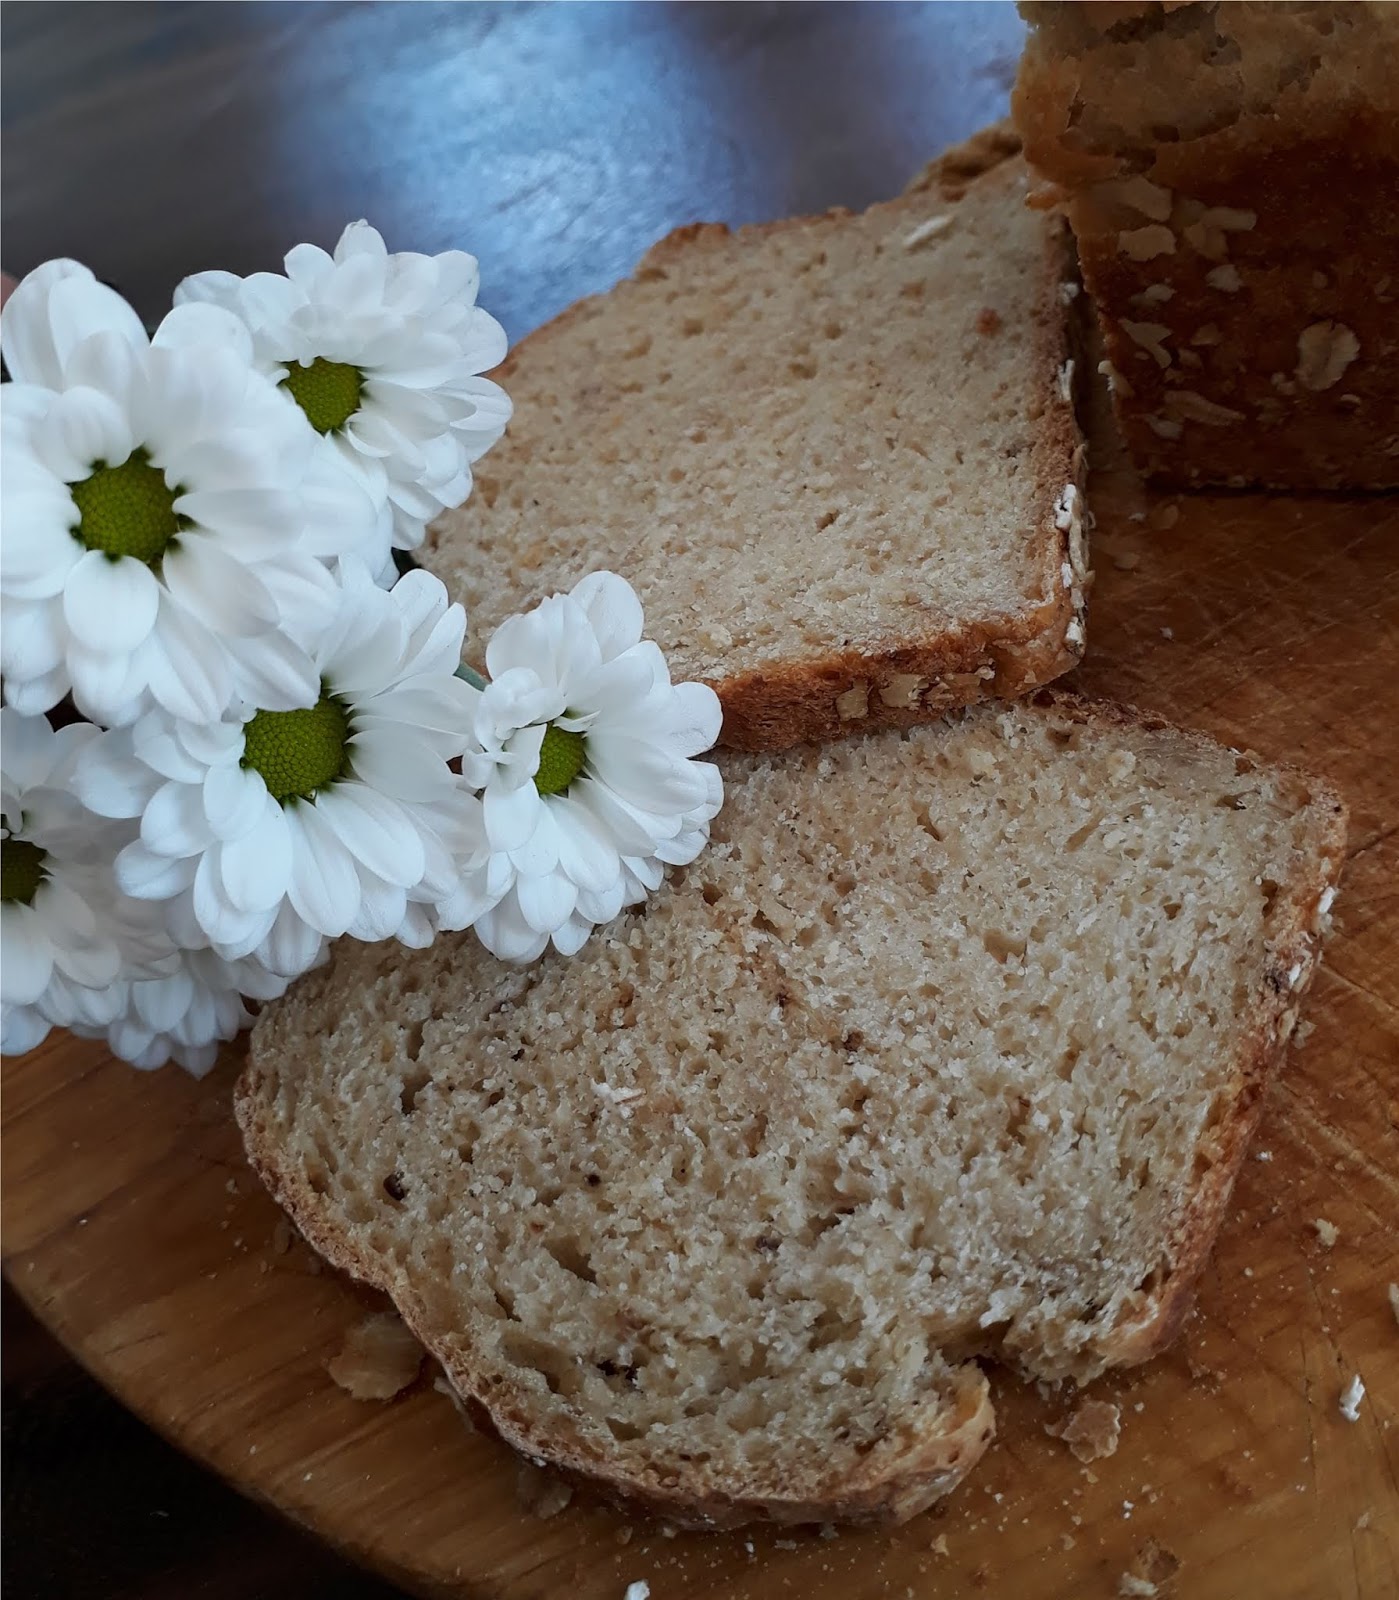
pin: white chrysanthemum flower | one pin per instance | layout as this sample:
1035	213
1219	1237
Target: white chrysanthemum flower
271	831
67	939
185	1015
583	749
166	512
384	354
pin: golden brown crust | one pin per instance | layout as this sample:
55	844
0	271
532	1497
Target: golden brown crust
907	680
1245	276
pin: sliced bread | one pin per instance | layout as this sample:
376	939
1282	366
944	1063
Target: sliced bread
837	455
949	1046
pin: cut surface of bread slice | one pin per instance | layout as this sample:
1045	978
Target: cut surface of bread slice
950	1045
835	456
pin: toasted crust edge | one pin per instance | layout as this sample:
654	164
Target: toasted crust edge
908	1471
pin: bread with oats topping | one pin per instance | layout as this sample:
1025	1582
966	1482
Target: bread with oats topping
1232	176
949	1047
835	456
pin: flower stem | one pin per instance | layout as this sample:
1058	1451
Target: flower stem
472	677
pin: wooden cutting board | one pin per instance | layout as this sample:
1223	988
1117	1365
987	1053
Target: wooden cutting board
133	1228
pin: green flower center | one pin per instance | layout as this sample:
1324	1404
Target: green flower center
327	391
298	752
127	510
560	759
21	870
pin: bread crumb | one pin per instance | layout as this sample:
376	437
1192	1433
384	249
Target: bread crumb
1351	1396
626	1535
1091	1432
1225	278
1068	292
939	1545
1326	1232
1324	351
379	1358
1152	1565
281	1237
1127	560
1394	1300
1263	1155
1168	633
640	1590
540	1492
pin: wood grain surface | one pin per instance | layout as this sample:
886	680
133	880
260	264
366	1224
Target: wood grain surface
131	1224
135	1230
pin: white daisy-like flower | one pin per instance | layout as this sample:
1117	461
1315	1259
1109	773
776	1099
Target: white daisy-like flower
167	514
271	831
185	1015
583	748
383	352
67	939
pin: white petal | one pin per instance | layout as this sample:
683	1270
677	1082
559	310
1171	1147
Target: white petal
375	830
174	823
22	1029
217	590
612	609
325	885
569	939
91	427
55	308
189	672
147	876
111	605
586	854
233	799
32	640
539	854
255	869
26	956
547	902
291	947
511	815
399	763
194	325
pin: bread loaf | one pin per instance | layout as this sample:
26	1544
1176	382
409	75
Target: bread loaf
1232	176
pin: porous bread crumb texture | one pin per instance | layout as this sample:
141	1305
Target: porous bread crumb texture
825	453
948	1045
1231	173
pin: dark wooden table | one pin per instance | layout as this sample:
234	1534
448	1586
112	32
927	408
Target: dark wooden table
555	142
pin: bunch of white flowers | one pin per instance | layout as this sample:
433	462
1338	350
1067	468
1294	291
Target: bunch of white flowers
262	739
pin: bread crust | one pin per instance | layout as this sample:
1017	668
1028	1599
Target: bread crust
924	1458
1249	313
1163	1306
911	679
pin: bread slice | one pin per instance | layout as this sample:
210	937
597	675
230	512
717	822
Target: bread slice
837	456
949	1046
